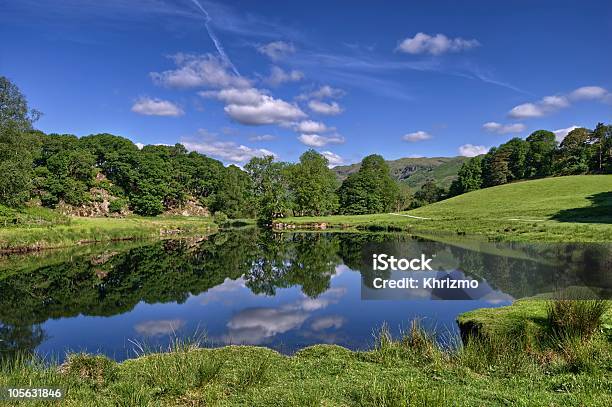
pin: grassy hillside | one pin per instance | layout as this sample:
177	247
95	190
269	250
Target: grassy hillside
415	171
575	208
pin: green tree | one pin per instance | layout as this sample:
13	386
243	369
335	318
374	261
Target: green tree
538	161
270	187
369	190
601	145
469	177
17	152
313	185
234	196
18	146
573	155
429	193
495	167
14	110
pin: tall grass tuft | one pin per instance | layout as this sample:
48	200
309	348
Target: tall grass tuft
580	318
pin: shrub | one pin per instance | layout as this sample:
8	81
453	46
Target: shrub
117	205
220	217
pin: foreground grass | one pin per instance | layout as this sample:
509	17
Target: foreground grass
412	370
561	209
76	231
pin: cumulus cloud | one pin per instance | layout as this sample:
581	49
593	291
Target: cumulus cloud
416	136
256	325
156	107
326	322
551	104
561	133
277	49
589	92
470	150
279	76
330	109
310	126
438	44
226	150
253	107
159	327
263	137
324	92
332	158
315	140
494	127
193	71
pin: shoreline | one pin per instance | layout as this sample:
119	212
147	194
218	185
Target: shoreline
84	231
491	369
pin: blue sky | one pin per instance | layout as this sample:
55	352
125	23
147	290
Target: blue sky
348	78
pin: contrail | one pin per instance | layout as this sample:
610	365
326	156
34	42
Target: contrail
214	38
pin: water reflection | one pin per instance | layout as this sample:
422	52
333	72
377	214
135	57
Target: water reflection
281	290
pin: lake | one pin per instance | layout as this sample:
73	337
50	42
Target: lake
251	286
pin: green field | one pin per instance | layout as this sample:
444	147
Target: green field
73	231
562	209
497	370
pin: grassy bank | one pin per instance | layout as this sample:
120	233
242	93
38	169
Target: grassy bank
562	209
411	370
75	231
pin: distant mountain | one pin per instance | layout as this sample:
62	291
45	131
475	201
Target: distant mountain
416	171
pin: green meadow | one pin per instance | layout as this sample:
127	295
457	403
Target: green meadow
560	209
40	228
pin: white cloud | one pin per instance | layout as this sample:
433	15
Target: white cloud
589	92
156	107
561	133
195	71
494	127
268	111
310	126
159	327
252	106
438	44
332	158
277	49
226	150
550	104
279	76
315	140
416	136
332	108
326	322
526	111
470	150
263	137
139	145
323	92
246	96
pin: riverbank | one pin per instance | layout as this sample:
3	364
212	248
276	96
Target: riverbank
561	209
413	370
78	231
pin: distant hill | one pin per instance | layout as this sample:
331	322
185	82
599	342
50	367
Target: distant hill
415	171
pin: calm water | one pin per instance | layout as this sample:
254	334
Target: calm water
285	291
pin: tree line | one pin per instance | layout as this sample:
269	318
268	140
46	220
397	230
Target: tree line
582	151
62	168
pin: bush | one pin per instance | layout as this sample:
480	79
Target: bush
117	205
220	217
